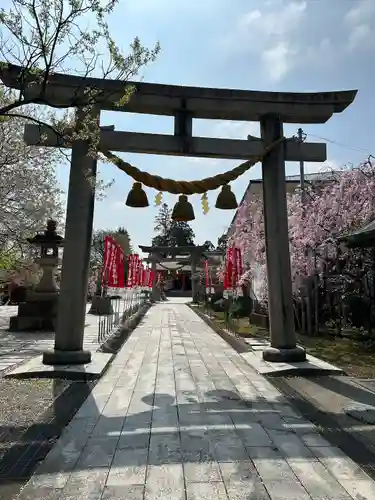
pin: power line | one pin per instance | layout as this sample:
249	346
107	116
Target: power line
360	150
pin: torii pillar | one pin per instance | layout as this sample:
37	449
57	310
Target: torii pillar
283	346
68	348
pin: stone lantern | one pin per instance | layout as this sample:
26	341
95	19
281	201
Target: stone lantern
39	312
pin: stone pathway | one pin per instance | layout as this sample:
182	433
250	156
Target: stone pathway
181	415
16	347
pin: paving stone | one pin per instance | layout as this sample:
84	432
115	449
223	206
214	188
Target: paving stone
126	475
299	425
271	464
206	491
165	449
250	490
133	440
317	480
98	452
230	453
107	426
130	456
254	436
85	484
202	472
338	464
62	458
180	415
314	440
363	489
290	444
123	492
272	421
291	490
43	492
165	481
238	472
52	480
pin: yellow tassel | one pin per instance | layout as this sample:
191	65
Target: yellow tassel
158	199
205	205
137	197
183	210
226	199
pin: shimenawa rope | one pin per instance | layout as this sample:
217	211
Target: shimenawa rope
186	187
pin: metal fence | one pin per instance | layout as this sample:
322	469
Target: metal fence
124	305
230	320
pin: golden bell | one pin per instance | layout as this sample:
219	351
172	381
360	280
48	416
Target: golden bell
226	199
183	210
137	197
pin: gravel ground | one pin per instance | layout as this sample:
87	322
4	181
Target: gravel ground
33	414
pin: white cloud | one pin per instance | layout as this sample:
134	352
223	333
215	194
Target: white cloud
360	20
278	60
270	32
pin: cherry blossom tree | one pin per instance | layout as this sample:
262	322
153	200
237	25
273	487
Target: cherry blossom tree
331	210
29	192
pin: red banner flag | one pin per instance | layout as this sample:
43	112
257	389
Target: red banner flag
135	269
151	278
229	268
237	266
139	273
109	246
113	267
112	274
129	282
206	276
120	268
143	280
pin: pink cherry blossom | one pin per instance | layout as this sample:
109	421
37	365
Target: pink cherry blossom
332	209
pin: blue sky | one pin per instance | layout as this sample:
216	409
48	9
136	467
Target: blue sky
278	45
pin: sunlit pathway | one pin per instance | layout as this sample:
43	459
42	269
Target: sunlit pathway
181	415
17	347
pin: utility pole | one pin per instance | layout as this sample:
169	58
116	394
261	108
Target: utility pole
301	136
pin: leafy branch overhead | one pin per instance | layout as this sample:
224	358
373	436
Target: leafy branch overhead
69	37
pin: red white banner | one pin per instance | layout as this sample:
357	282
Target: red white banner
130	271
135	270
206	276
237	266
113	267
151	278
109	245
120	262
228	278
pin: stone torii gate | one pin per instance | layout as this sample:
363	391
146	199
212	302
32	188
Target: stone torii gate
271	109
155	252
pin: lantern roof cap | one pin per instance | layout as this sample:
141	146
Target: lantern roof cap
49	236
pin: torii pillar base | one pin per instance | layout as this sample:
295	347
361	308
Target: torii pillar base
66	357
278	355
